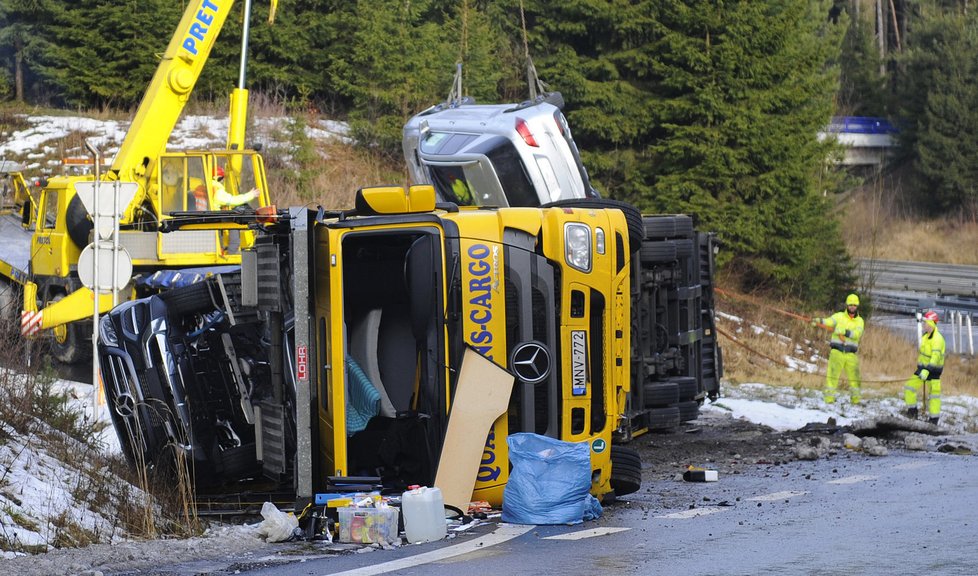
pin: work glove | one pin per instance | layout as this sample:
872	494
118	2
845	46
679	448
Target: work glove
848	333
924	374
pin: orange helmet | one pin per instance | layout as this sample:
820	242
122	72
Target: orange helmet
931	316
219	172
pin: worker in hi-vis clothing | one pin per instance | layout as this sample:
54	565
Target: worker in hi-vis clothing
847	328
930	365
225	199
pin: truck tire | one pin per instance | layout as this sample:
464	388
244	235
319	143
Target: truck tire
190	299
72	342
688	387
688	410
684	248
658	252
626	470
633	218
684	226
77	222
659	227
664	418
661	394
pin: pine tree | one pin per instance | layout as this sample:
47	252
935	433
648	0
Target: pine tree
399	58
945	144
22	41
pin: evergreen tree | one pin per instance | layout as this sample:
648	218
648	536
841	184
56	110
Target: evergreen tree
862	90
944	138
712	109
399	54
744	89
101	55
22	42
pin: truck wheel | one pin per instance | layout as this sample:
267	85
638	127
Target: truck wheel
633	218
684	248
661	394
660	227
688	387
77	222
72	343
684	226
688	410
664	418
626	470
188	299
658	252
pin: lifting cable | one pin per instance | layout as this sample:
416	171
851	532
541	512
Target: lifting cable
536	85
782	363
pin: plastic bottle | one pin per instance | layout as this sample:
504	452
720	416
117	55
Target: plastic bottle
424	514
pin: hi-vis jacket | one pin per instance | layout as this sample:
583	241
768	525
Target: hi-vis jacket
846	331
931	353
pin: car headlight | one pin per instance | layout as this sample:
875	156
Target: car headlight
106	332
577	246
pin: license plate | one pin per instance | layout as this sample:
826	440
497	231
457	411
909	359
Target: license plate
578	362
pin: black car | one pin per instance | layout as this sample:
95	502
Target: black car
185	375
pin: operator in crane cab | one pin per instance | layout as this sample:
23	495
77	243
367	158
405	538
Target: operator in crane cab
225	199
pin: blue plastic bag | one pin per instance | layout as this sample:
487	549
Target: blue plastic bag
550	481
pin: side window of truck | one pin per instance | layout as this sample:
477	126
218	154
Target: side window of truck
50	210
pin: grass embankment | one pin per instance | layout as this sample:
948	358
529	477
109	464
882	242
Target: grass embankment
878	223
46	434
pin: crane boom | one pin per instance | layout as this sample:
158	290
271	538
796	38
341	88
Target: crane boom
170	88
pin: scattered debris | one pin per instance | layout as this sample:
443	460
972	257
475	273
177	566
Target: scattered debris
816	447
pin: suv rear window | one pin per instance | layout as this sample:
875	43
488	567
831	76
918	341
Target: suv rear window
445	143
512	175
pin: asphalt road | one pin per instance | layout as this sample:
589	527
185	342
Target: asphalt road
904	513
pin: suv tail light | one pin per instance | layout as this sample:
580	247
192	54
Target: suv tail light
524	131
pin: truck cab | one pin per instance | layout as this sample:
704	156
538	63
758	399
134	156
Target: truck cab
496	154
337	349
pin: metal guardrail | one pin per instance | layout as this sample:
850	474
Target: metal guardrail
906	287
899	275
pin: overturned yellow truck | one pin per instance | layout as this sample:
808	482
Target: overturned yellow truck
336	351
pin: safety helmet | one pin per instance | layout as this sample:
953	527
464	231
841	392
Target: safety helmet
852	300
219	172
930	316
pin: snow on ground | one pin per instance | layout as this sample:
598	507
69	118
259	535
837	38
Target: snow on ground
784	408
41	139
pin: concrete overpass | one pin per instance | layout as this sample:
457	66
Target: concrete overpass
868	141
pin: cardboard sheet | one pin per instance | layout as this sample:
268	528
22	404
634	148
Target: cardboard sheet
481	396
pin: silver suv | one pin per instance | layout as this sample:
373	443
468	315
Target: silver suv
497	154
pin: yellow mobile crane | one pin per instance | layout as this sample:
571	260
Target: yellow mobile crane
45	234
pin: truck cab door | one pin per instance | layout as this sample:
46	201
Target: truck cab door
50	241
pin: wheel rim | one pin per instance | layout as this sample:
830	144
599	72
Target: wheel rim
61	334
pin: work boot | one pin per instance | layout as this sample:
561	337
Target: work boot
933	420
912	413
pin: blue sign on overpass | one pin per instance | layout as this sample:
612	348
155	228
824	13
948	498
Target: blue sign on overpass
861	125
867	139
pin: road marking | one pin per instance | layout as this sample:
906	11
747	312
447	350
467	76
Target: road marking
582	534
777	496
694	512
853	479
913	465
502	534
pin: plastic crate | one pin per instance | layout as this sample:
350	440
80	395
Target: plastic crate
368	525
